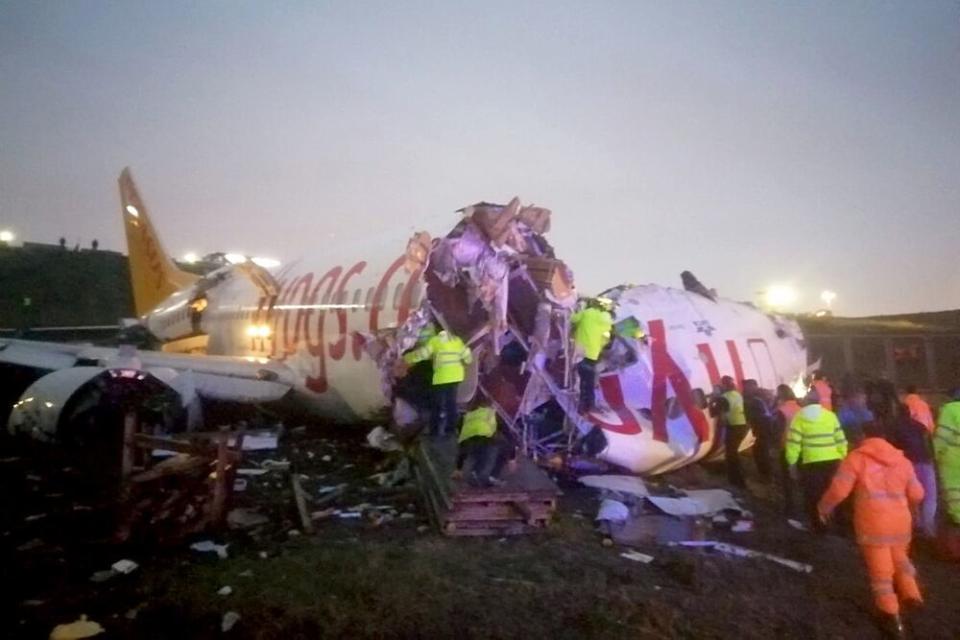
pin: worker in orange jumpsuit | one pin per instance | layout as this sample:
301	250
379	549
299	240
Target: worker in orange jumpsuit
919	409
884	486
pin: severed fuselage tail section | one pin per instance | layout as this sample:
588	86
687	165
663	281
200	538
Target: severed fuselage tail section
153	275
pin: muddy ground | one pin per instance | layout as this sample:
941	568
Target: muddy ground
390	576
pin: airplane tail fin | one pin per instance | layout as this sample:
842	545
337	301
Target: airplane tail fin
153	274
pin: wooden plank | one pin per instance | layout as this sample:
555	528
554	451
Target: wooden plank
300	497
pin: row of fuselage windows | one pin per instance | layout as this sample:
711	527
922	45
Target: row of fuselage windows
357	301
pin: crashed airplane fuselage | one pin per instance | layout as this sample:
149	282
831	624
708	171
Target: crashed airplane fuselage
331	337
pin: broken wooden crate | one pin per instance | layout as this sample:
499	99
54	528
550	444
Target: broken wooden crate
524	504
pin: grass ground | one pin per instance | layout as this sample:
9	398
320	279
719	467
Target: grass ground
354	579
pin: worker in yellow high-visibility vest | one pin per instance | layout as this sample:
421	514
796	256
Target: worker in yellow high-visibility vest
591	333
448	354
484	448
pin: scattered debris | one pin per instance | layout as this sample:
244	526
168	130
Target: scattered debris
103	576
30	545
225	590
702	502
246	519
742	526
275	465
323	513
327	458
252	472
293	533
35	517
301	499
743	552
796	524
381	439
8	460
230	618
76	630
636	556
259	441
622	484
240	484
124	566
613	510
207	546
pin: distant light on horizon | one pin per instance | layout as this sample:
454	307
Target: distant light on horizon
235	258
828	297
190	257
779	297
7	236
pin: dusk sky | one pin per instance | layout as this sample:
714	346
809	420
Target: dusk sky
813	143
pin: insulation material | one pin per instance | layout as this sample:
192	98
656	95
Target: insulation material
495	282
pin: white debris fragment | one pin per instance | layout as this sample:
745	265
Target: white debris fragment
124	566
327	458
697	503
35	517
259	441
275	465
624	484
230	618
239	484
796	524
742	526
252	472
81	628
225	590
743	552
381	439
636	556
207	546
613	510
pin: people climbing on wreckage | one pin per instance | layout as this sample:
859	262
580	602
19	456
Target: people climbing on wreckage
816	441
884	487
484	448
448	356
592	328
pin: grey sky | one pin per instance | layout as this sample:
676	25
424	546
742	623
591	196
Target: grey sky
751	142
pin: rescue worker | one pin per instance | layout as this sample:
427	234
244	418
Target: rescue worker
785	409
758	417
483	447
448	354
591	333
884	486
919	409
414	383
911	437
853	414
946	447
824	391
735	421
816	441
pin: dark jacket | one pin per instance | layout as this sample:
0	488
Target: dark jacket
911	437
757	413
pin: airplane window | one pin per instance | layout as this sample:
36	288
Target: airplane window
397	294
356	299
379	297
368	302
415	294
674	409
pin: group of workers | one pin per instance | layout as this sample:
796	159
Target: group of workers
484	449
887	456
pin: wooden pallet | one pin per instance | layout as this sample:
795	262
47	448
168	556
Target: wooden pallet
525	504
